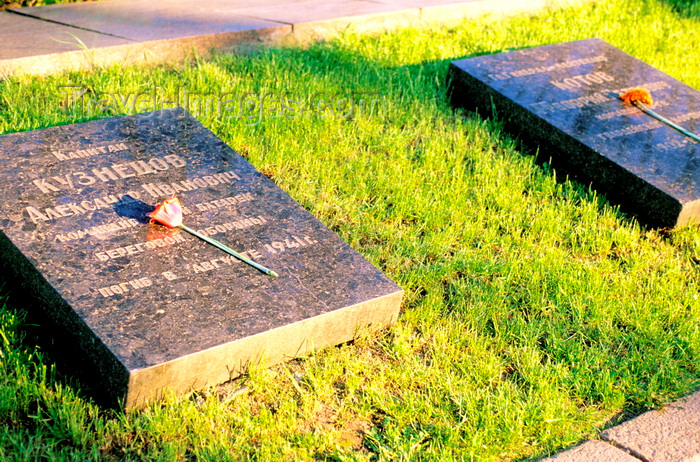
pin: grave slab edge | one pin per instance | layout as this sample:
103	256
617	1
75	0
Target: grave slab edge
148	384
70	335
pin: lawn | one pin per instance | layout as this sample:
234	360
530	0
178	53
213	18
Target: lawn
536	313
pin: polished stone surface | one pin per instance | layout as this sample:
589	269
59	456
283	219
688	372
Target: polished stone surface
563	98
153	307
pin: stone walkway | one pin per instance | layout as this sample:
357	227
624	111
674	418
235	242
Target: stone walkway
51	38
668	435
82	35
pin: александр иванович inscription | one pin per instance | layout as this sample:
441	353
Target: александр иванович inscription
147	308
565	99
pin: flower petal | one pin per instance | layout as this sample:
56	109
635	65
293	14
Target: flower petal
169	213
637	94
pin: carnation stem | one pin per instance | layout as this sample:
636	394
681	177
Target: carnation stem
663	119
228	250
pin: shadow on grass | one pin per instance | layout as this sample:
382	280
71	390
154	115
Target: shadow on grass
685	8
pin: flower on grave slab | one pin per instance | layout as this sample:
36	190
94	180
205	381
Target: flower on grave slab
634	95
641	98
169	213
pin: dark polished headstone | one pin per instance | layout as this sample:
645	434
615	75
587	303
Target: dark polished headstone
564	99
151	307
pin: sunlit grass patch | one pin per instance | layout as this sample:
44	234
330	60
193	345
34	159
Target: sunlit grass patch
535	314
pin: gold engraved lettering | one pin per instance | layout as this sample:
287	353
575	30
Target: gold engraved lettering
209	265
578	81
70	209
44	186
630	130
219	203
169	275
88	152
110	173
35	215
123	170
59	155
583	101
99	231
231	225
291	242
84	179
139	247
547	69
141	167
158	190
124	287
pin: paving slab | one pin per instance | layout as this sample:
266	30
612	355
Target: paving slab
156	31
146	20
43	57
476	7
23	36
593	451
305	11
426	3
669	435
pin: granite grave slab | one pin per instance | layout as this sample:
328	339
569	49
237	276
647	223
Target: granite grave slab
564	99
150	308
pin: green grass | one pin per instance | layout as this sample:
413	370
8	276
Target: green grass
536	314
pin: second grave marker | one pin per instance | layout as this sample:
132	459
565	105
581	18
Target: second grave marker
564	98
